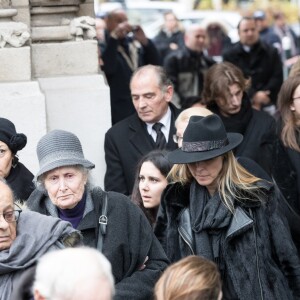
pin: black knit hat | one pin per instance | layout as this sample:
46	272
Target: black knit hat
8	135
204	138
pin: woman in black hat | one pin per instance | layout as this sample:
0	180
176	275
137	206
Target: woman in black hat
217	209
18	177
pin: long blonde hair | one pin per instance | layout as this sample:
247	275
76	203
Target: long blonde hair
235	182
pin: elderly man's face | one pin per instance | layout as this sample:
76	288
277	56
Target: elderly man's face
8	231
150	101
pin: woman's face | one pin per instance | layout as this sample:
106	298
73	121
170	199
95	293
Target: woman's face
207	172
151	184
65	186
6	158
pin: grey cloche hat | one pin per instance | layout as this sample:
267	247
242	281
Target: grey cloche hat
204	138
60	148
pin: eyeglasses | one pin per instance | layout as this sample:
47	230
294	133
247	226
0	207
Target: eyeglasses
12	216
177	138
296	98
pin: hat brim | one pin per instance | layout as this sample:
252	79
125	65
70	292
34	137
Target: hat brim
64	163
181	157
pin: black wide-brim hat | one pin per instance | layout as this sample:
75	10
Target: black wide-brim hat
204	138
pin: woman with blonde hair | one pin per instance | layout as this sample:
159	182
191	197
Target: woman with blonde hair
191	278
217	209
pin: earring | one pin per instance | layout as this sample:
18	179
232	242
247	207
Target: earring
293	109
15	161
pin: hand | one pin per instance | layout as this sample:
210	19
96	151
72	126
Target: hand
139	35
260	98
121	31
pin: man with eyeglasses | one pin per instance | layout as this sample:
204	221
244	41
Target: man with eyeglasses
150	127
24	237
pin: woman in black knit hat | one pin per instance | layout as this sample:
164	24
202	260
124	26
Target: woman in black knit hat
18	177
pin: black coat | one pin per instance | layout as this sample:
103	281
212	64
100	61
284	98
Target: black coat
20	181
259	136
184	66
257	240
162	42
263	65
128	241
125	144
118	75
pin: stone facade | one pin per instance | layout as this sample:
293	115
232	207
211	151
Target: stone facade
50	77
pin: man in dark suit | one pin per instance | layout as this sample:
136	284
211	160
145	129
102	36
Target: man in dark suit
126	142
126	48
258	61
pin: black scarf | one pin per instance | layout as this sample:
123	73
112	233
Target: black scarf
238	122
209	216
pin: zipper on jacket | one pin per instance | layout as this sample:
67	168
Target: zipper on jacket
182	234
256	252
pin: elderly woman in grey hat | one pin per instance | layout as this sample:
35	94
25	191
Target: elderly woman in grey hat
107	221
18	177
217	209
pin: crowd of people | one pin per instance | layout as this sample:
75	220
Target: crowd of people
201	196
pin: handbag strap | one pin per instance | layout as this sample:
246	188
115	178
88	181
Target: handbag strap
102	223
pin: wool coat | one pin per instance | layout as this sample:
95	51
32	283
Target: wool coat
129	240
262	64
118	74
260	258
258	137
186	69
125	144
20	181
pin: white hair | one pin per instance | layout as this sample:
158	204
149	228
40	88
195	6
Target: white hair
66	274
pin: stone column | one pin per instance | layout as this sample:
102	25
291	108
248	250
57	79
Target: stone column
49	76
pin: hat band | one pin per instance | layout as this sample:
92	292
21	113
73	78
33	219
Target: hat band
203	146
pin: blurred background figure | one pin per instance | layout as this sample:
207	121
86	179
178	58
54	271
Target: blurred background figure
287	36
186	66
73	274
225	94
170	37
218	39
286	167
266	33
100	34
126	48
18	177
191	278
150	182
259	62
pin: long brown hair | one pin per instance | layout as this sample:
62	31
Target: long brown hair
290	121
217	80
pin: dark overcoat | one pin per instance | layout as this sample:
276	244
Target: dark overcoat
260	258
125	144
128	241
118	74
262	64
